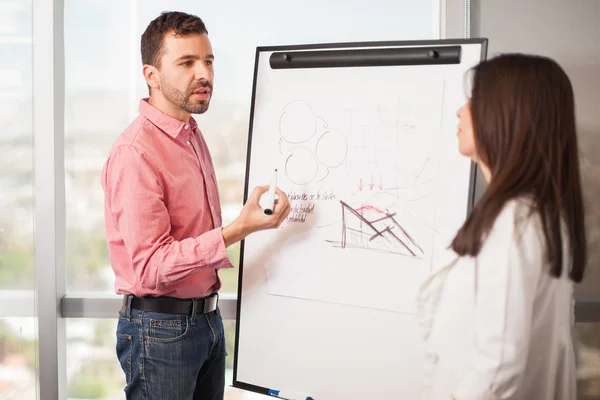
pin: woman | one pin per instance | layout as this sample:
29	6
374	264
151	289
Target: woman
497	321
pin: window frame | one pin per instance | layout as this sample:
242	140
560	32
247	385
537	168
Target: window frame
49	192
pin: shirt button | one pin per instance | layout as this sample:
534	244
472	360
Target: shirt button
188	143
186	126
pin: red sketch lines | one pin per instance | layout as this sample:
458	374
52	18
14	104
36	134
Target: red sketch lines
371	186
371	228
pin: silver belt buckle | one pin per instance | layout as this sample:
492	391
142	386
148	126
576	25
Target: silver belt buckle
210	304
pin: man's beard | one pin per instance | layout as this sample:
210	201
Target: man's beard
183	101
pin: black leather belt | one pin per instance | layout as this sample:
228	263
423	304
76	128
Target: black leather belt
171	305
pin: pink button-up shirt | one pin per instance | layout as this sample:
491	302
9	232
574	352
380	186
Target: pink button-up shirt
162	211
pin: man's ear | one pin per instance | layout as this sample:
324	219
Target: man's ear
151	75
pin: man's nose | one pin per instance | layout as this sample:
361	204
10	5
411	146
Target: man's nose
203	72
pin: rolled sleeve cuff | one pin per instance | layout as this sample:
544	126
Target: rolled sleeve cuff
469	390
215	253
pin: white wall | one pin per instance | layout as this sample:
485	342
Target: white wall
569	32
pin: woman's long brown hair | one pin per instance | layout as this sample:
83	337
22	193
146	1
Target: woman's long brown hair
523	114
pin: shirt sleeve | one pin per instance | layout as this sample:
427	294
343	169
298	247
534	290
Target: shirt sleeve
137	203
507	276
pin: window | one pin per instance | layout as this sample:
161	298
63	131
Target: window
18	358
18	327
16	151
92	368
587	342
97	108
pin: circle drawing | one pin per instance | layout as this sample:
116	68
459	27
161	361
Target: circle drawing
301	166
297	123
331	148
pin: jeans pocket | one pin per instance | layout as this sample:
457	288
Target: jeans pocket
168	330
124	354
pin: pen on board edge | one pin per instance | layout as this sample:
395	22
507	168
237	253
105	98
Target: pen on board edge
288	395
270	199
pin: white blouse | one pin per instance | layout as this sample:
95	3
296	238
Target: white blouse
498	326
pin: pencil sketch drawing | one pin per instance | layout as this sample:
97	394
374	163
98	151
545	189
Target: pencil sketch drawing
370	228
311	147
392	166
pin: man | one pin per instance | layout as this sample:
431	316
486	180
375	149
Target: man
163	223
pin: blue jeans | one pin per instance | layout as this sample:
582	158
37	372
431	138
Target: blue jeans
172	356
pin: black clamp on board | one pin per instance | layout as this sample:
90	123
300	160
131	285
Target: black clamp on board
431	55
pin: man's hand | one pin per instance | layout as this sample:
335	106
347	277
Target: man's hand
252	218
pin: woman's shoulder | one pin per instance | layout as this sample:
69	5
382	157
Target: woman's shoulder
521	207
518	212
520	220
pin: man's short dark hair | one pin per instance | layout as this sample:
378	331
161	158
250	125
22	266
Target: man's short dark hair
172	22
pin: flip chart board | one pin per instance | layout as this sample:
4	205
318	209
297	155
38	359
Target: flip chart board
363	137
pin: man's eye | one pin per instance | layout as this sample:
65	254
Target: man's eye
187	63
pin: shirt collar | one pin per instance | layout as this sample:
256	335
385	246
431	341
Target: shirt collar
171	126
